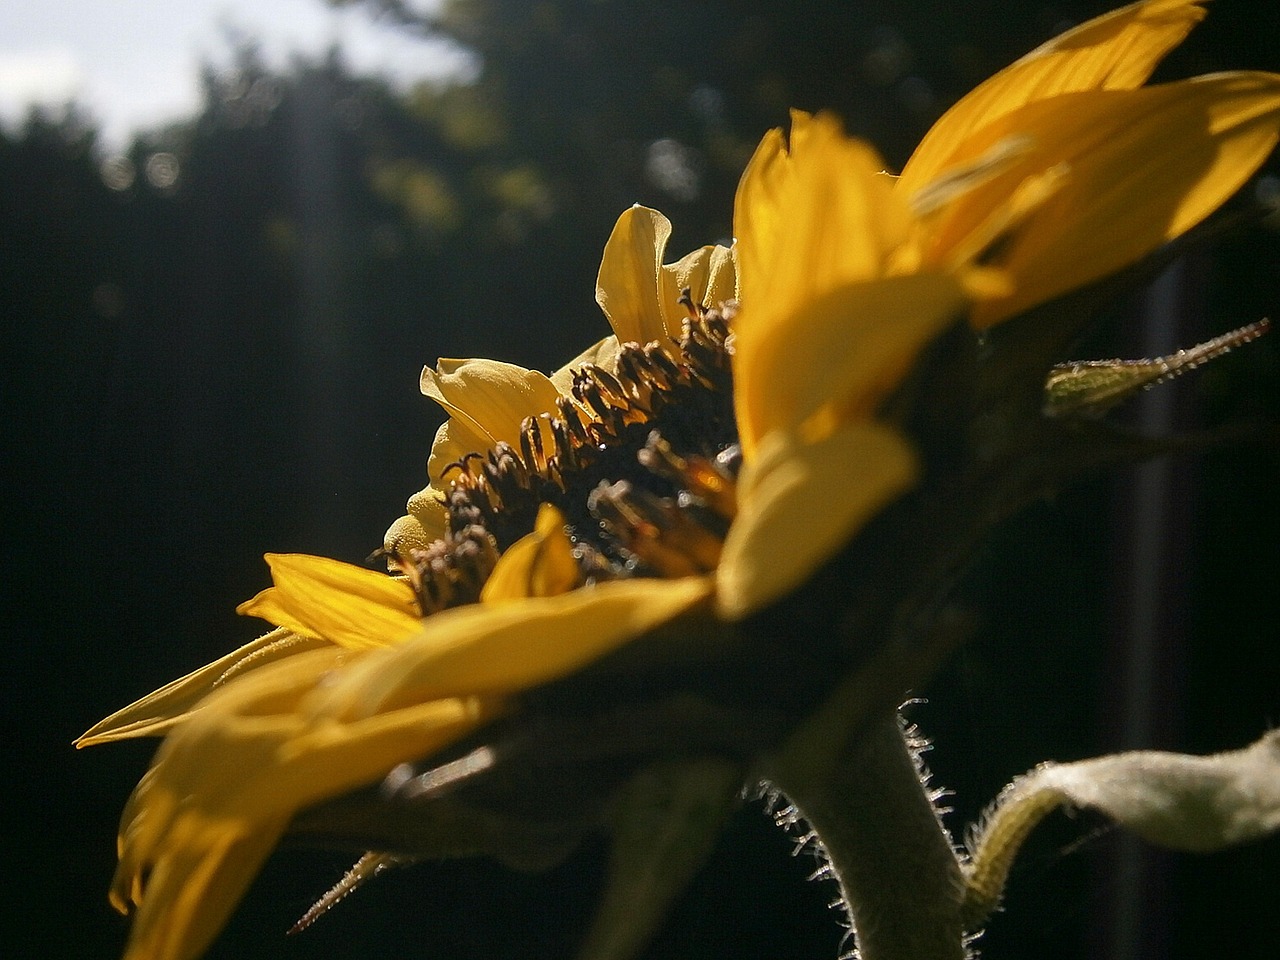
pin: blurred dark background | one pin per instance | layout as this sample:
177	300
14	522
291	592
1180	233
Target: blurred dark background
212	345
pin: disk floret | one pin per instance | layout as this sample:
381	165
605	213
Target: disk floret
640	460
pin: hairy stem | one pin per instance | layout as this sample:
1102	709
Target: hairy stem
898	873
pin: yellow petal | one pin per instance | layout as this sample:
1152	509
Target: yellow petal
709	275
453	442
224	786
627	286
813	217
844	351
811	220
800	504
158	711
721	283
490	397
540	564
1131	170
988	229
257	750
344	604
496	649
192	891
1116	51
158	852
759	211
960	178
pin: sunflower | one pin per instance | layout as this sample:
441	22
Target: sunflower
613	564
488	402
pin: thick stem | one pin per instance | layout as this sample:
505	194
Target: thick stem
897	870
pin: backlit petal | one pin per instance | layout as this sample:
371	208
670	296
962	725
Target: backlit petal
627	287
168	845
813	221
196	884
759	212
1116	51
158	711
1132	170
495	649
846	350
224	786
709	275
815	215
347	605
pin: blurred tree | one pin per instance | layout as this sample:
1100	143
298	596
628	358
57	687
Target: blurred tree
662	102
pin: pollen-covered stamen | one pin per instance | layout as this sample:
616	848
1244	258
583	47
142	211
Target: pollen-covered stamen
685	300
452	570
705	341
482	499
531	444
662	536
570	421
588	391
729	461
680	496
502	492
616	394
633	377
707	480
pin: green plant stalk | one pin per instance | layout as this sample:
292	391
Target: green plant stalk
861	791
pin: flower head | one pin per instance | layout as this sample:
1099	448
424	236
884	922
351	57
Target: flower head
635	534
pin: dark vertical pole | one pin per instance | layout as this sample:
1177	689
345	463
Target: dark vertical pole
1154	514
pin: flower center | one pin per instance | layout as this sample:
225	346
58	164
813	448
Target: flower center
640	461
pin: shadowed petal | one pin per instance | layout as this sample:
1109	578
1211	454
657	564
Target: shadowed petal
793	519
540	564
453	441
494	649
